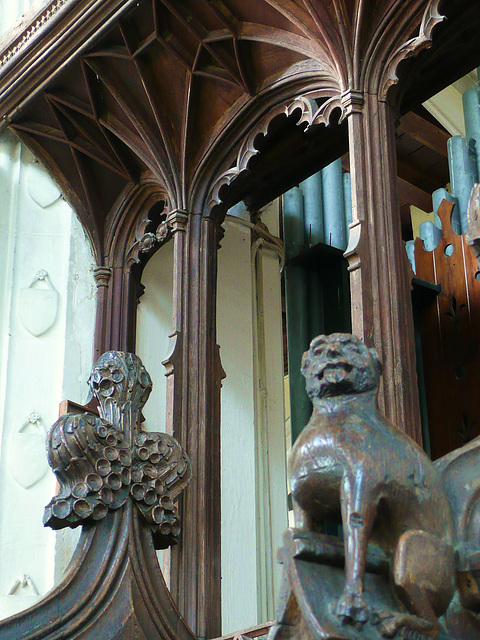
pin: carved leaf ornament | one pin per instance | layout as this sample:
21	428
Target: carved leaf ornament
120	483
102	461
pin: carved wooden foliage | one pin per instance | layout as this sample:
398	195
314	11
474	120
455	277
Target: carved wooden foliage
120	483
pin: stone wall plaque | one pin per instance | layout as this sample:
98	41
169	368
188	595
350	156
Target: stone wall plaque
38	307
27	458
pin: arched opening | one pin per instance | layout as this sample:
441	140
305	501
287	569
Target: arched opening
282	280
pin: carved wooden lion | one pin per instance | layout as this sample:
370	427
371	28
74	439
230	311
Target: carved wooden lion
353	466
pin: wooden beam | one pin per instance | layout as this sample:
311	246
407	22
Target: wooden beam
425	132
410	194
421	178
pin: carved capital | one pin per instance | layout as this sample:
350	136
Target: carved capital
177	220
352	102
102	276
101	462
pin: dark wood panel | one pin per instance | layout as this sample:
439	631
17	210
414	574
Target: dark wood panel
450	338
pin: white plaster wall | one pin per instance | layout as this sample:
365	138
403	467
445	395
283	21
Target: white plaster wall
252	430
272	483
154	325
235	337
271	471
39	231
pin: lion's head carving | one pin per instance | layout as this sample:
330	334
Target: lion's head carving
339	364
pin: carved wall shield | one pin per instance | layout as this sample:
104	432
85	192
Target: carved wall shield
41	187
38	307
27	458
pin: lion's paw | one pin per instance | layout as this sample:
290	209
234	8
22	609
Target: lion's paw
351	608
402	626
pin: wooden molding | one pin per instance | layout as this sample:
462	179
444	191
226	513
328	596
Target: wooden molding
60	31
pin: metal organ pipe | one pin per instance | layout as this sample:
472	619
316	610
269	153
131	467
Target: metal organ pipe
313	214
293	222
334	206
471	111
296	289
347	199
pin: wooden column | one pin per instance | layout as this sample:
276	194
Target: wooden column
102	277
194	366
380	289
194	377
116	315
178	222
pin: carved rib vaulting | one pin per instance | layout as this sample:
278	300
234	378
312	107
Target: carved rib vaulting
166	90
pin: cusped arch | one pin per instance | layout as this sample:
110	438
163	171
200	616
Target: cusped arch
449	52
398	45
138	227
314	108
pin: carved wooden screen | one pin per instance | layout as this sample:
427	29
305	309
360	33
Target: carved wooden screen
448	323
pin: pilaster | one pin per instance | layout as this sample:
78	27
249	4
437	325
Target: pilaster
380	289
102	277
196	373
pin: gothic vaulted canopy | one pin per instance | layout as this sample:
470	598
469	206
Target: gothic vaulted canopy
116	94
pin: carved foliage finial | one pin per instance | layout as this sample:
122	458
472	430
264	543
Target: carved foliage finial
102	461
118	379
92	463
